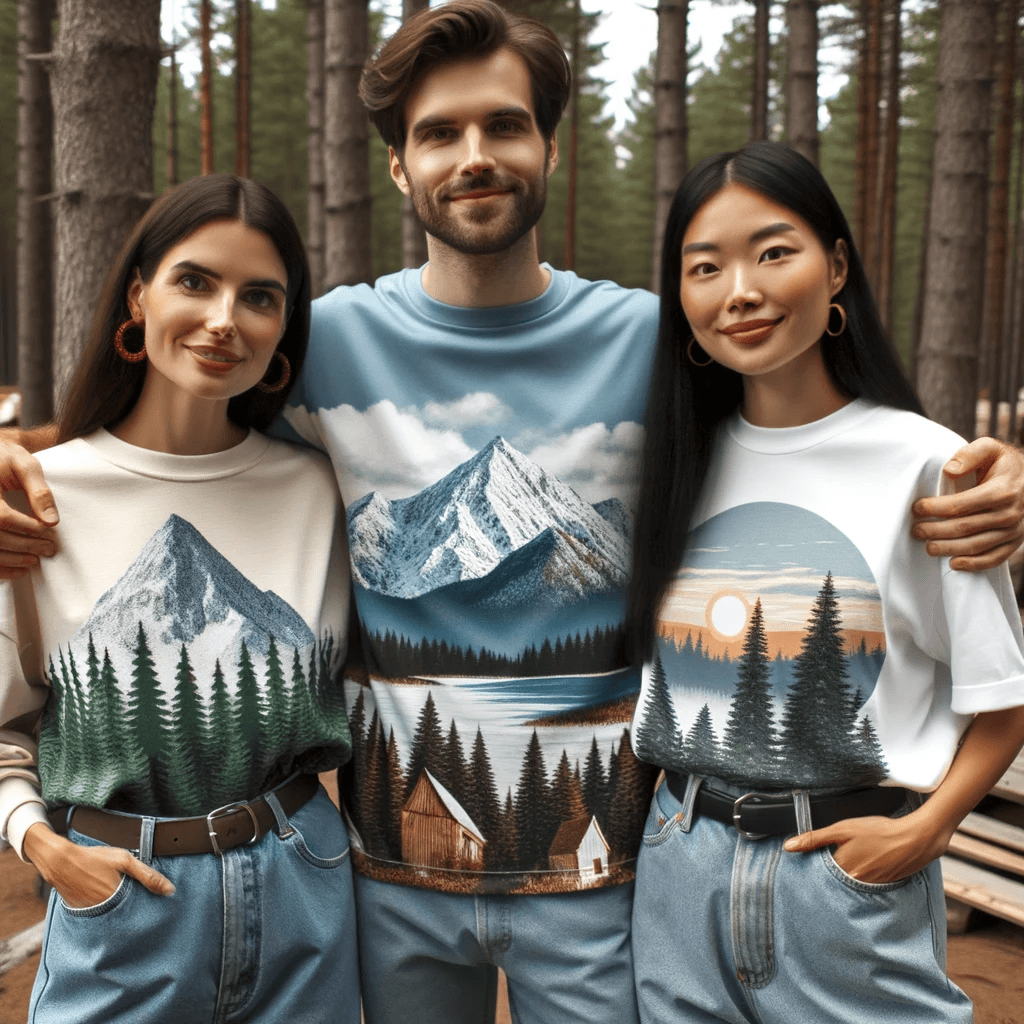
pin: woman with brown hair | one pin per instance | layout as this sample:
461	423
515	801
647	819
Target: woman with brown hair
167	679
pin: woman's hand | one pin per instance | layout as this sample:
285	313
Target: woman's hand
877	849
24	539
87	875
980	527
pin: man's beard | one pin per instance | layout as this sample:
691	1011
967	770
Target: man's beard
500	230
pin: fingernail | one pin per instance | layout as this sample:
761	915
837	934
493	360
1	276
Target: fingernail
918	532
791	844
954	465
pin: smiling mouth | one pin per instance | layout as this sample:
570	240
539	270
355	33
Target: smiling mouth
222	360
749	331
489	194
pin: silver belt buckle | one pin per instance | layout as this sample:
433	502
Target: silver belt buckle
220	812
737	810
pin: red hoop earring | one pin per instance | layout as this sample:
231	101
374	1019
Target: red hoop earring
124	353
286	375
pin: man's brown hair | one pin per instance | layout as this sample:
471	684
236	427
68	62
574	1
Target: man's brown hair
462	28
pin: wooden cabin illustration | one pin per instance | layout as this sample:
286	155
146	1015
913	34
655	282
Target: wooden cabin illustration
579	846
436	830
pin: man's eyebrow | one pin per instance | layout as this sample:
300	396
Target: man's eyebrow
262	282
425	124
766	232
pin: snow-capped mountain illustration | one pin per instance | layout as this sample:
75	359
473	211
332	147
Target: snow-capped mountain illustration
469	522
181	588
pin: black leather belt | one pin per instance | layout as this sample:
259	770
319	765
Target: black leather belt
222	829
756	815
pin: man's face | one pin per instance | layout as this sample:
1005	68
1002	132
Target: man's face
475	163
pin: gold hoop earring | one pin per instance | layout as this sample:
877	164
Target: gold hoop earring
842	317
689	354
127	355
282	383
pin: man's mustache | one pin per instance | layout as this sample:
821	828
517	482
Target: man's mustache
482	183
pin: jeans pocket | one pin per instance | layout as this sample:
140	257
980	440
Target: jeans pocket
114	900
659	826
855	883
319	836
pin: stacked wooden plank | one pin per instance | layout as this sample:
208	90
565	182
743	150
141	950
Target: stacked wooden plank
984	867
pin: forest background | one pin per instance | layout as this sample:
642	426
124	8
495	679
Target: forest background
610	205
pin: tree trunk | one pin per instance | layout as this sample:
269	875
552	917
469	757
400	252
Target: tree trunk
243	48
414	238
574	124
922	277
889	138
759	95
670	130
34	252
172	118
948	366
346	145
205	89
103	84
869	80
315	152
802	78
1013	318
998	217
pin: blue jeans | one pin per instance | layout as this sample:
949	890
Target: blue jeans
264	934
432	957
732	929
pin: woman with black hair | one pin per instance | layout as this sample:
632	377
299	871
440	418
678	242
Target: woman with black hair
810	671
167	678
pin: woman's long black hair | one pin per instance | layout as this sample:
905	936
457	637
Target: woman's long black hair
104	388
687	402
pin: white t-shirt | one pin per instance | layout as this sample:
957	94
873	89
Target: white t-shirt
808	640
182	649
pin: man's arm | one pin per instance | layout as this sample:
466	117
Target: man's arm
981	527
25	538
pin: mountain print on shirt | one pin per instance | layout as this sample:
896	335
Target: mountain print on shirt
187	688
769	645
490	717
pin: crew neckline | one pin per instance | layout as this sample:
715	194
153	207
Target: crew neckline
163	466
786	440
478	317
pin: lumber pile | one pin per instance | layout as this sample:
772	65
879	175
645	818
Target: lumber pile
984	867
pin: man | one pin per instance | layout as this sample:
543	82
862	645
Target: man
484	415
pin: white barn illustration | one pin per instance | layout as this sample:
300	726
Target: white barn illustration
580	846
436	830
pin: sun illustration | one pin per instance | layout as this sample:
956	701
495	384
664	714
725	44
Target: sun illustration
726	614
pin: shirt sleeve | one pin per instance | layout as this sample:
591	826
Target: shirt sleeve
23	693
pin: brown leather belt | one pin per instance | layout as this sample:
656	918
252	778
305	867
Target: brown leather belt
755	815
222	829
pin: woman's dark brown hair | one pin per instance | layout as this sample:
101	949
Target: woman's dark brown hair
103	387
462	28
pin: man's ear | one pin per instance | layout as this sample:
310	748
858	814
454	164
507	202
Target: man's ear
552	155
398	171
134	298
840	263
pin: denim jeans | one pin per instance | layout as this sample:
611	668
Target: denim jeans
432	957
733	929
265	933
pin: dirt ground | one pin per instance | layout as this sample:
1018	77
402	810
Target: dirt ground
987	962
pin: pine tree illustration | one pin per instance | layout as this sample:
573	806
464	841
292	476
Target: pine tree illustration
137	789
482	794
371	796
872	768
301	719
658	734
535	820
595	785
427	745
749	738
183	778
103	754
82	710
49	731
453	765
70	717
231	774
146	713
276	725
395	797
567	802
357	726
502	850
247	707
817	737
634	782
700	749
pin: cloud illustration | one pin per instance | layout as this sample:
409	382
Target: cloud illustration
479	408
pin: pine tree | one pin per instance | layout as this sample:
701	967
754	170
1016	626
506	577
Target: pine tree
247	705
567	802
427	745
453	765
873	768
229	778
535	821
146	713
658	733
595	784
302	721
700	749
394	798
371	793
817	731
629	802
502	850
184	783
749	739
481	801
126	752
277	719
